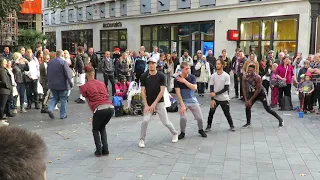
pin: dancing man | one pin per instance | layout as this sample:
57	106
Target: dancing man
252	91
219	86
185	85
153	84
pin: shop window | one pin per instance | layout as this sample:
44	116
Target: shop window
102	10
265	48
155	33
285	29
113	38
147	45
46	19
207	31
163	5
53	18
70	15
184	4
291	46
72	39
164	32
146	33
174	32
195	32
79	14
112	9
89	12
266	29
123	8
51	41
207	2
184	32
164	46
63	16
249	30
249	47
145	6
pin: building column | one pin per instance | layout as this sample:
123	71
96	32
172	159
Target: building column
39	22
313	31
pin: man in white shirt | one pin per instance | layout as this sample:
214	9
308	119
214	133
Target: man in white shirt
155	54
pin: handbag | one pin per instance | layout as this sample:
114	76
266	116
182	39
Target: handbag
282	83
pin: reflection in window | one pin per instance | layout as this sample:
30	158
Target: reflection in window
164	33
146	33
72	39
249	47
265	48
164	46
249	30
285	29
291	46
266	30
155	33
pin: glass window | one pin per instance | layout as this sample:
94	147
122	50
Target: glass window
249	30
123	45
195	32
207	31
291	46
285	29
113	44
155	33
146	33
249	47
266	30
112	39
154	43
123	35
147	45
113	35
265	48
72	39
164	33
174	32
164	46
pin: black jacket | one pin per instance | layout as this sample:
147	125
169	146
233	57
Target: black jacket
212	61
94	60
43	75
79	65
18	71
227	64
5	81
7	56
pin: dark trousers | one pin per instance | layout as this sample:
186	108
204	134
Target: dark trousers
21	88
100	120
226	110
138	75
46	96
9	103
262	97
95	72
201	87
236	84
266	85
110	77
286	91
316	95
32	92
3	101
308	105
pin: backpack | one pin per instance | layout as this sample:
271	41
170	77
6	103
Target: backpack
117	102
137	105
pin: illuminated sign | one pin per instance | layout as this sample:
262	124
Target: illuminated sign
233	35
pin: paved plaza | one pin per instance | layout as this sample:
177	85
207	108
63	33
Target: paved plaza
264	152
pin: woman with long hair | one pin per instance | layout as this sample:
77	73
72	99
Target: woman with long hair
125	66
170	73
5	89
205	74
39	56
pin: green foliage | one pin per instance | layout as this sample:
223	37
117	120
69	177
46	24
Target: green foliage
30	38
9	6
60	4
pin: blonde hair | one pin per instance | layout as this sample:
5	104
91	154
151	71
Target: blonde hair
16	56
66	51
274	66
128	60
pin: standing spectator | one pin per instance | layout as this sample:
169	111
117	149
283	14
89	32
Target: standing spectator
6	53
307	89
235	75
280	58
199	55
31	79
227	62
116	59
155	54
11	109
67	58
94	61
205	74
304	69
5	88
270	57
39	56
46	51
59	82
44	83
170	72
124	67
38	48
211	60
108	71
161	66
19	67
140	65
22	51
97	97
285	73
265	73
314	69
297	64
80	75
252	60
175	60
186	58
274	86
239	70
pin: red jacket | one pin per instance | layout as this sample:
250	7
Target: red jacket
122	89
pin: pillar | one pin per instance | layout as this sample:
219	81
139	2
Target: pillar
313	31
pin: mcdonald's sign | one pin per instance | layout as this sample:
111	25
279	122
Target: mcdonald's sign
31	7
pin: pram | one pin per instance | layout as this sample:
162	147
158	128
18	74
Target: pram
135	101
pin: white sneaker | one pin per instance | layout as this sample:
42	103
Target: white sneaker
15	111
56	108
175	138
4	123
141	144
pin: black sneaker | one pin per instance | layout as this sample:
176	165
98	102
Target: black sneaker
65	117
181	135
28	106
37	107
281	124
105	152
246	126
208	129
44	110
202	133
77	100
51	114
81	101
232	128
98	153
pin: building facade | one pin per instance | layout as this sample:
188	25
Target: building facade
175	25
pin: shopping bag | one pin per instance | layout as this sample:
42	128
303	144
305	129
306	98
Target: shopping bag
166	98
40	89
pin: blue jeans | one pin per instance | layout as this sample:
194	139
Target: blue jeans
21	87
57	96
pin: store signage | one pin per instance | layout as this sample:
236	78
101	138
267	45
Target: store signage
111	25
31	7
233	35
74	27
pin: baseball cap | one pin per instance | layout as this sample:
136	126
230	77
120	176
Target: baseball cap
271	51
152	60
309	74
116	49
302	76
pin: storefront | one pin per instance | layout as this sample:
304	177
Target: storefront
259	35
178	37
72	39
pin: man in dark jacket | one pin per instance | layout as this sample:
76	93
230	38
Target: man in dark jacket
80	75
235	75
211	60
227	62
44	83
108	71
94	61
6	53
175	61
140	66
59	82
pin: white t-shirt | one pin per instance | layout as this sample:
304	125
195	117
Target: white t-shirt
155	55
219	81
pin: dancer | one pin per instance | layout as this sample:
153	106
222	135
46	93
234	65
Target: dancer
96	95
252	91
153	84
185	85
219	86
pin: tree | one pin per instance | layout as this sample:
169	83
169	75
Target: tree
9	6
30	38
60	4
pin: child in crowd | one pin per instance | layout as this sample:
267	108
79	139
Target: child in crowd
299	89
307	89
122	87
274	86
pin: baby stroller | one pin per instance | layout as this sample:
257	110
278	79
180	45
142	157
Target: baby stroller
137	104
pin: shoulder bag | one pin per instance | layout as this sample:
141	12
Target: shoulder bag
282	83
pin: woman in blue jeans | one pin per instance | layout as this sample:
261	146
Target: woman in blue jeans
96	95
19	67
